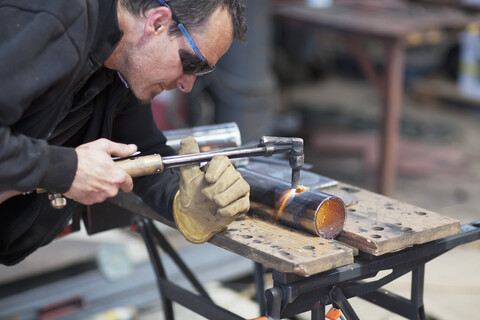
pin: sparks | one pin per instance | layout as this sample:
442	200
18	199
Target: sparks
286	198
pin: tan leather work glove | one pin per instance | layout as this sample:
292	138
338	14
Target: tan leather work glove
209	198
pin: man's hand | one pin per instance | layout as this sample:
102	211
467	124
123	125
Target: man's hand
208	200
98	177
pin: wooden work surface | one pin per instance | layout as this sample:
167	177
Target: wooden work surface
282	248
376	225
376	17
380	225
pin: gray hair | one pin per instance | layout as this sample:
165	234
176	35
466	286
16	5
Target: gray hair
194	13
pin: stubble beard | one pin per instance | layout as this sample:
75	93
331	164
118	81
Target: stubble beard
131	67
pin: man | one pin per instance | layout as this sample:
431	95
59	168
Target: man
70	73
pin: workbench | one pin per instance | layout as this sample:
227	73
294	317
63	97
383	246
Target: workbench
391	24
310	272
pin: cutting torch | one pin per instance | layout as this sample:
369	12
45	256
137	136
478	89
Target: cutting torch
153	164
137	166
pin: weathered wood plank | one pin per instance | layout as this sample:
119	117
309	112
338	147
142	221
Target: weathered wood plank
379	225
282	248
376	224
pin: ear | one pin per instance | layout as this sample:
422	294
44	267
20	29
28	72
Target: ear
157	21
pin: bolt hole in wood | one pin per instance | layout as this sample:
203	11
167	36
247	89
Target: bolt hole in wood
375	236
378	228
421	213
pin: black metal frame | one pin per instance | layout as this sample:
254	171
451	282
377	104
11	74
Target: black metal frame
292	294
202	304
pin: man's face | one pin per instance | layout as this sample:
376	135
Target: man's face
151	64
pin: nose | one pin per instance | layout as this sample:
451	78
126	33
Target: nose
185	82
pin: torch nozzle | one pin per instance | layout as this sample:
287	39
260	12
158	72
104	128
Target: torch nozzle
295	178
296	160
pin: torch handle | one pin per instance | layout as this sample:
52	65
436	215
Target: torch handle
142	166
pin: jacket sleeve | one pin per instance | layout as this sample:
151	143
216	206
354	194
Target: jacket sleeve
36	53
134	124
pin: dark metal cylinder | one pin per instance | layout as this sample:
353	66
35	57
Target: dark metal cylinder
312	211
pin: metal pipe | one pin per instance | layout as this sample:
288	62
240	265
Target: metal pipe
215	136
225	135
312	211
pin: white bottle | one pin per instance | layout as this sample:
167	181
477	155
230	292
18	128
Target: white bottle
319	3
469	62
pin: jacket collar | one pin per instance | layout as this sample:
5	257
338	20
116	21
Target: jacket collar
108	32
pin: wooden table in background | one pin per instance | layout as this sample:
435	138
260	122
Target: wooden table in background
390	23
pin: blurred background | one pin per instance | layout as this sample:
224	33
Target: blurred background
330	75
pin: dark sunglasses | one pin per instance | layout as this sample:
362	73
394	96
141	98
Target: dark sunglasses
192	64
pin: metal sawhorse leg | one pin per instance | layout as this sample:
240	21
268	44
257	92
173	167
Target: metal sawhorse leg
337	295
293	294
170	292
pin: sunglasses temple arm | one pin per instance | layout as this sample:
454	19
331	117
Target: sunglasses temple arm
190	41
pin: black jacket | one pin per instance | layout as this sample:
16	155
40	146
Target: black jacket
55	94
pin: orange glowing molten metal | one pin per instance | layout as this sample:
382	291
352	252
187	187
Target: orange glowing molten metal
325	218
205	148
302	208
289	194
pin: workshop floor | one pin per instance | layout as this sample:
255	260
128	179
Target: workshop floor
439	169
